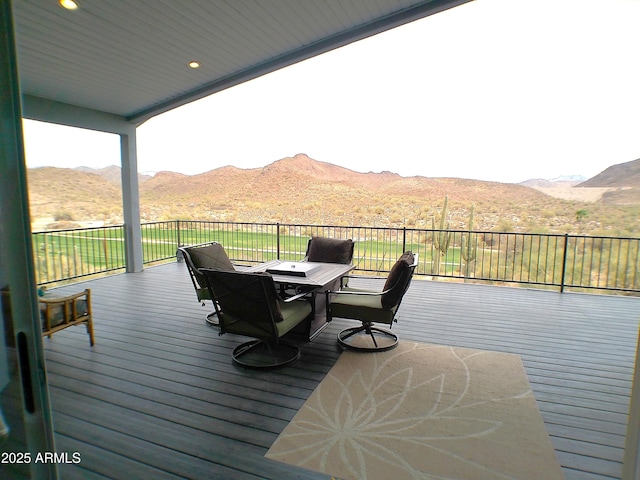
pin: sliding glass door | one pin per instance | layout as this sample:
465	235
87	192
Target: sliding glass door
26	433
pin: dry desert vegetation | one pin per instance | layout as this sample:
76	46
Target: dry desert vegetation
303	190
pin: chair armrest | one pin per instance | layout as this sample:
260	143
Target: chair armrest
295	297
368	277
370	293
67	298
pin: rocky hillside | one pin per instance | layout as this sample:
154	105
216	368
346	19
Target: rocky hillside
302	190
112	174
63	194
621	175
621	180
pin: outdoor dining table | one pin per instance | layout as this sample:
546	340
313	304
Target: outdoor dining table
314	276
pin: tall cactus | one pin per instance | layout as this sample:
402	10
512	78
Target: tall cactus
468	248
441	239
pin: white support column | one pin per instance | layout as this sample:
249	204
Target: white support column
631	468
64	114
131	201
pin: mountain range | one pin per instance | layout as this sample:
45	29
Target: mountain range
620	175
299	189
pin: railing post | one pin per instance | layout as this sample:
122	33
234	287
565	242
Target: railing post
564	261
179	240
404	239
278	240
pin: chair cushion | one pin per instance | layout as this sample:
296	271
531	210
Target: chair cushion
360	307
211	256
398	278
57	312
203	293
330	250
242	297
292	314
250	289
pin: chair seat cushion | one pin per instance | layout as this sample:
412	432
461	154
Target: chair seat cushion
292	314
203	294
360	307
56	316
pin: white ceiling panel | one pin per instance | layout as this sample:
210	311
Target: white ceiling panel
129	58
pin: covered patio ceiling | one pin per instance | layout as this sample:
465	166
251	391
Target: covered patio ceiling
112	64
130	59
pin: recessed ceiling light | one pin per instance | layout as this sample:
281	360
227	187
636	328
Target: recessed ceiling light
194	64
68	4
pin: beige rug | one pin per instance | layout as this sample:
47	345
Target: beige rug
421	411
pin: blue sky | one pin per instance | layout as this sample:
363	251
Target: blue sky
502	90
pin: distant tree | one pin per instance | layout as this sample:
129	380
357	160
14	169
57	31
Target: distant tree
581	214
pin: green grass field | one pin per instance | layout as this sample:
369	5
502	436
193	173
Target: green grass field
614	263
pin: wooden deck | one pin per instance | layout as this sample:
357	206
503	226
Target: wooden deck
158	397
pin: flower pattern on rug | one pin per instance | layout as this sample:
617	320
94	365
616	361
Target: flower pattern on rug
373	412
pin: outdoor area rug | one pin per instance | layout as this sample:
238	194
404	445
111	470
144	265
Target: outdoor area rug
421	411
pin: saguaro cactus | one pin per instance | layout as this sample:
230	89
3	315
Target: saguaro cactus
468	248
441	238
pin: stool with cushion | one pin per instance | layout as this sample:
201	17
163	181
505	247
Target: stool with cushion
58	313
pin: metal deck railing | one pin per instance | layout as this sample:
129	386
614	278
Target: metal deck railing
576	262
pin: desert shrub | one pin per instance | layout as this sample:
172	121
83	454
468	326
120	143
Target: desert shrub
504	225
63	216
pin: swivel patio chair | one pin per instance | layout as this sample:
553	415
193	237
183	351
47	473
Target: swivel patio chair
248	304
323	250
204	255
329	250
371	307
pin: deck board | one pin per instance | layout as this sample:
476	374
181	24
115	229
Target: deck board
158	395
